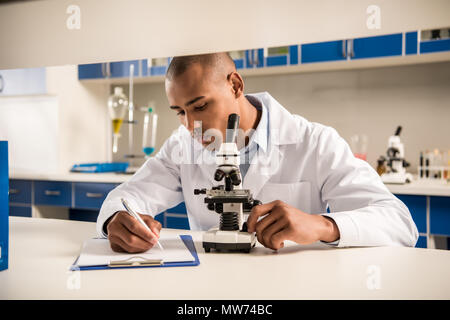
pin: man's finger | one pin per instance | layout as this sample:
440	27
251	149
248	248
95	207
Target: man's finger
136	228
134	246
279	237
153	224
267	221
132	241
270	231
258	211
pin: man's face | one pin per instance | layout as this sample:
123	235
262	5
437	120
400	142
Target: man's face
202	95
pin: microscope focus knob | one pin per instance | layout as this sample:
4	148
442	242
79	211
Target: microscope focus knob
199	191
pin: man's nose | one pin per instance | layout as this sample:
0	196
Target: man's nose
189	122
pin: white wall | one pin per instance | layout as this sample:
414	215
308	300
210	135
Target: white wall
82	114
36	33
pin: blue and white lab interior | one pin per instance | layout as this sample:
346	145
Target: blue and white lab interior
378	76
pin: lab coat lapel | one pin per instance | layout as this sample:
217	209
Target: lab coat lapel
283	130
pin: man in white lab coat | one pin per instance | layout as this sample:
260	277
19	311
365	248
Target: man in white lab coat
297	169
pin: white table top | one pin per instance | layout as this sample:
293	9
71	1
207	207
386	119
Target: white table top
42	250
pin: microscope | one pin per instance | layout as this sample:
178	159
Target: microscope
229	200
396	172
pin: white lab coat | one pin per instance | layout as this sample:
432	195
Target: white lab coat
307	165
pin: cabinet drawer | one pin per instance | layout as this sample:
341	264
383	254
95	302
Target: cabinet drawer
417	205
440	215
91	195
52	193
20	191
177	222
421	242
179	209
17	211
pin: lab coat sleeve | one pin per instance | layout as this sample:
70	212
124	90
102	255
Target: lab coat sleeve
155	187
365	211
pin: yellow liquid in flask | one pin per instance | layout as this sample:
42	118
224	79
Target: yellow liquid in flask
117	123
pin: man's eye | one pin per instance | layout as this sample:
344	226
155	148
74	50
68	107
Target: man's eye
180	113
202	107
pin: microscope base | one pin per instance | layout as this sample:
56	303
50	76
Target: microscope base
228	241
396	178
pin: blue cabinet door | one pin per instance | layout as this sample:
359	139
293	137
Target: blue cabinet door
122	68
4	206
20	191
92	71
282	59
20	211
324	51
417	206
436	45
421	242
440	215
177	223
89	195
179	209
53	193
157	68
254	58
411	42
23	82
379	46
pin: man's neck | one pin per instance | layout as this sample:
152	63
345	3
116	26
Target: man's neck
250	117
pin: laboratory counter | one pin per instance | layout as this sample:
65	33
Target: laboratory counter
417	187
42	250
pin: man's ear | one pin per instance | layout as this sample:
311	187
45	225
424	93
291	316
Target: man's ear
237	84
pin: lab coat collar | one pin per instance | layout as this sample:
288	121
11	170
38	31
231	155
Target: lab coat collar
283	128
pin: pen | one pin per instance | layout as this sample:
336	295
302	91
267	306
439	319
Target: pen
137	217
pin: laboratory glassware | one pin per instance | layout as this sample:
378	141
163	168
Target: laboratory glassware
149	132
117	105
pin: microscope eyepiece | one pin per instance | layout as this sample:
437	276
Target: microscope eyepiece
235	177
218	176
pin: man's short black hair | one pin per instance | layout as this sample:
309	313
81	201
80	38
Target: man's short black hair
180	64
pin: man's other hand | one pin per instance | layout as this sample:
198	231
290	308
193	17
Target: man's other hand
283	222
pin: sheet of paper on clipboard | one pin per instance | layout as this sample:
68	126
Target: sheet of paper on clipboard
98	252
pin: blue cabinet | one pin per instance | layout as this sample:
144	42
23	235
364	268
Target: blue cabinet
440	215
20	211
28	81
53	193
122	69
92	71
254	58
411	42
281	56
379	46
417	206
4	205
176	217
20	191
421	242
324	51
90	195
155	67
436	45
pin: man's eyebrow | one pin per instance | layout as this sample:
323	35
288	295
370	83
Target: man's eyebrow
187	104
